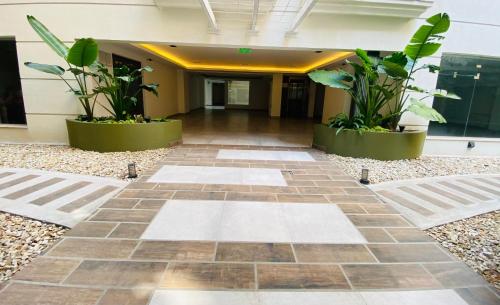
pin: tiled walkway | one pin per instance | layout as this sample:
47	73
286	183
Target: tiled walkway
206	243
429	202
64	199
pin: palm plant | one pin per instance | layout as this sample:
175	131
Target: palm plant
83	53
116	89
378	82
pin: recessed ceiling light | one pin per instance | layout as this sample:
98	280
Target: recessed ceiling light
318	51
173	46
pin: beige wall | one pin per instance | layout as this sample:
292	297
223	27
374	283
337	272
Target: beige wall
336	101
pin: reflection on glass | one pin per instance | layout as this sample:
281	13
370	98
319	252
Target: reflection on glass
477	80
238	92
11	96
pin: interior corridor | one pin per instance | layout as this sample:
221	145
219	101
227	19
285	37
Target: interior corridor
244	127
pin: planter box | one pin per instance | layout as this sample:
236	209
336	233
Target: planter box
123	137
373	145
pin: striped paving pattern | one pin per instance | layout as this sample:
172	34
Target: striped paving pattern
429	202
59	198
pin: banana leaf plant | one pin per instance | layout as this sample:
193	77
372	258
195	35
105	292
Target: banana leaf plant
387	82
116	87
79	57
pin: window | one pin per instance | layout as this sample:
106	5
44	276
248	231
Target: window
238	93
476	80
11	96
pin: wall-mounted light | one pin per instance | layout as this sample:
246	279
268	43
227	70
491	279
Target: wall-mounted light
364	176
132	172
471	144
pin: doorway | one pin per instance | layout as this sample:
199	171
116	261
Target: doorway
294	97
218	94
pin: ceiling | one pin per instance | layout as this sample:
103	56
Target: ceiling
230	59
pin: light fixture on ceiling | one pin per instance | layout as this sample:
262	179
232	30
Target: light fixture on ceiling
318	51
173	46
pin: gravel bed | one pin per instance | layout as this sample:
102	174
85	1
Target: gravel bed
70	160
425	166
474	240
21	240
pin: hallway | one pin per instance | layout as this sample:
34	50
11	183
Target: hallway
244	127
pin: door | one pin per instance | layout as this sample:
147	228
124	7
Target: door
294	97
218	94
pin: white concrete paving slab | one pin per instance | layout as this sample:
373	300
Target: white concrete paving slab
427	297
204	297
449	198
273	155
218	175
21	198
252	222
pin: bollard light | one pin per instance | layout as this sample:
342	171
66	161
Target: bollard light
132	173
364	176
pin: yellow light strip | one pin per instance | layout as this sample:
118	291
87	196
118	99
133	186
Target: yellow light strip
192	66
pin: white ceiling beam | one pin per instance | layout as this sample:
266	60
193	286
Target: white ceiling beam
302	14
210	14
254	15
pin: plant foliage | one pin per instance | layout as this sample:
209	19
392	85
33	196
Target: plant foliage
385	83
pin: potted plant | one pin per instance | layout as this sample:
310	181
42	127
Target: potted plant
122	131
380	89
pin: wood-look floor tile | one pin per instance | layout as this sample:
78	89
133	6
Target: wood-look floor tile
389	276
28	294
254	252
226	188
239	196
358	191
150	204
376	235
353	199
274	189
351	208
117	274
409	235
124	215
146	194
175	250
454	275
320	190
91	229
378	221
93	248
209	276
128	230
300	276
141	186
408	253
378	208
180	186
338	183
126	297
49	270
302	198
120	203
322	253
195	195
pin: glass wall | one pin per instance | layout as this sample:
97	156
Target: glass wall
476	80
11	96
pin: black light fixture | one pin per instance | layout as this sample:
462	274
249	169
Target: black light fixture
364	176
173	46
132	173
471	144
318	51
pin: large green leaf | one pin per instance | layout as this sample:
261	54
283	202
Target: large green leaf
421	109
364	56
394	69
151	88
424	41
52	69
57	45
83	53
334	79
444	94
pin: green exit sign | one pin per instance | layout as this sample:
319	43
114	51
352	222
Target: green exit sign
245	50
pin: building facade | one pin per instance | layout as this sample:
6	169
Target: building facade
255	49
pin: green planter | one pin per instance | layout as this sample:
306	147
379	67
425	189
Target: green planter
373	145
123	137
